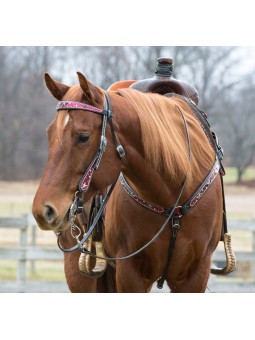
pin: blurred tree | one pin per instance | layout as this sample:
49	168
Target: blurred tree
212	70
23	112
26	107
237	127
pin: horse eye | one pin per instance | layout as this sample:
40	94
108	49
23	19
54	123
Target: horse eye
83	138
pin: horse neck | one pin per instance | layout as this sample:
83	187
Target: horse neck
153	186
149	184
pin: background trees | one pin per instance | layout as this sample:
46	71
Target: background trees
221	75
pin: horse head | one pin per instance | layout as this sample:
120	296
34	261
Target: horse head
75	137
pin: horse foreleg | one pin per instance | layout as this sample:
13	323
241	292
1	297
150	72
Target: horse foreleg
77	283
193	279
130	279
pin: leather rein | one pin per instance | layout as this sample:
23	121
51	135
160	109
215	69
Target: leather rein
173	214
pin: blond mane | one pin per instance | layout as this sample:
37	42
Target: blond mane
164	137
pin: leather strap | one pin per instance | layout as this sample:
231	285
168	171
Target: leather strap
190	203
73	105
91	228
161	280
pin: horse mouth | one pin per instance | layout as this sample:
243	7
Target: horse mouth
64	224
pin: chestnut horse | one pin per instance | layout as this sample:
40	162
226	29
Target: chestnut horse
167	157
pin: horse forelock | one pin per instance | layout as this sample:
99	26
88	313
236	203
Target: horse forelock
164	138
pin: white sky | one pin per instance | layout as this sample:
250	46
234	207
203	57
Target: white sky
134	22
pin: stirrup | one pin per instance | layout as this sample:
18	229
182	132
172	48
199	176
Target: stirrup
230	258
84	260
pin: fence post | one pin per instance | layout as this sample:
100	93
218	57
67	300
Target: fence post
253	249
21	275
33	243
253	241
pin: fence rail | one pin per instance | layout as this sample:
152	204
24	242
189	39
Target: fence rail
25	252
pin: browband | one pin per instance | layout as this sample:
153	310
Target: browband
73	105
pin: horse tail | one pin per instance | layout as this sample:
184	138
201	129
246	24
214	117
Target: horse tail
107	282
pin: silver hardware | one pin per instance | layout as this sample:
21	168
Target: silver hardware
57	233
120	151
103	143
102	148
72	216
220	151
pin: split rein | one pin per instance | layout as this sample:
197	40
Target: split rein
85	181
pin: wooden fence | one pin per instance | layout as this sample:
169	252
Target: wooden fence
24	253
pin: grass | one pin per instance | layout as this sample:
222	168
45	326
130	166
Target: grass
231	175
8	270
41	270
11	208
242	216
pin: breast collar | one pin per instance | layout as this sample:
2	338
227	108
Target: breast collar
180	210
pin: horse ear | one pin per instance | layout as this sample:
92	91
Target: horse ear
58	90
84	85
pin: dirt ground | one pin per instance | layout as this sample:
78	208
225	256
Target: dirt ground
240	201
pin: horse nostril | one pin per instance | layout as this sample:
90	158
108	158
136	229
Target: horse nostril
50	214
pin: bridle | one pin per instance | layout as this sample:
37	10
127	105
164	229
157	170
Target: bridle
83	186
106	113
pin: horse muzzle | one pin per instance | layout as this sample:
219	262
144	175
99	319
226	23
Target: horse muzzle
48	217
